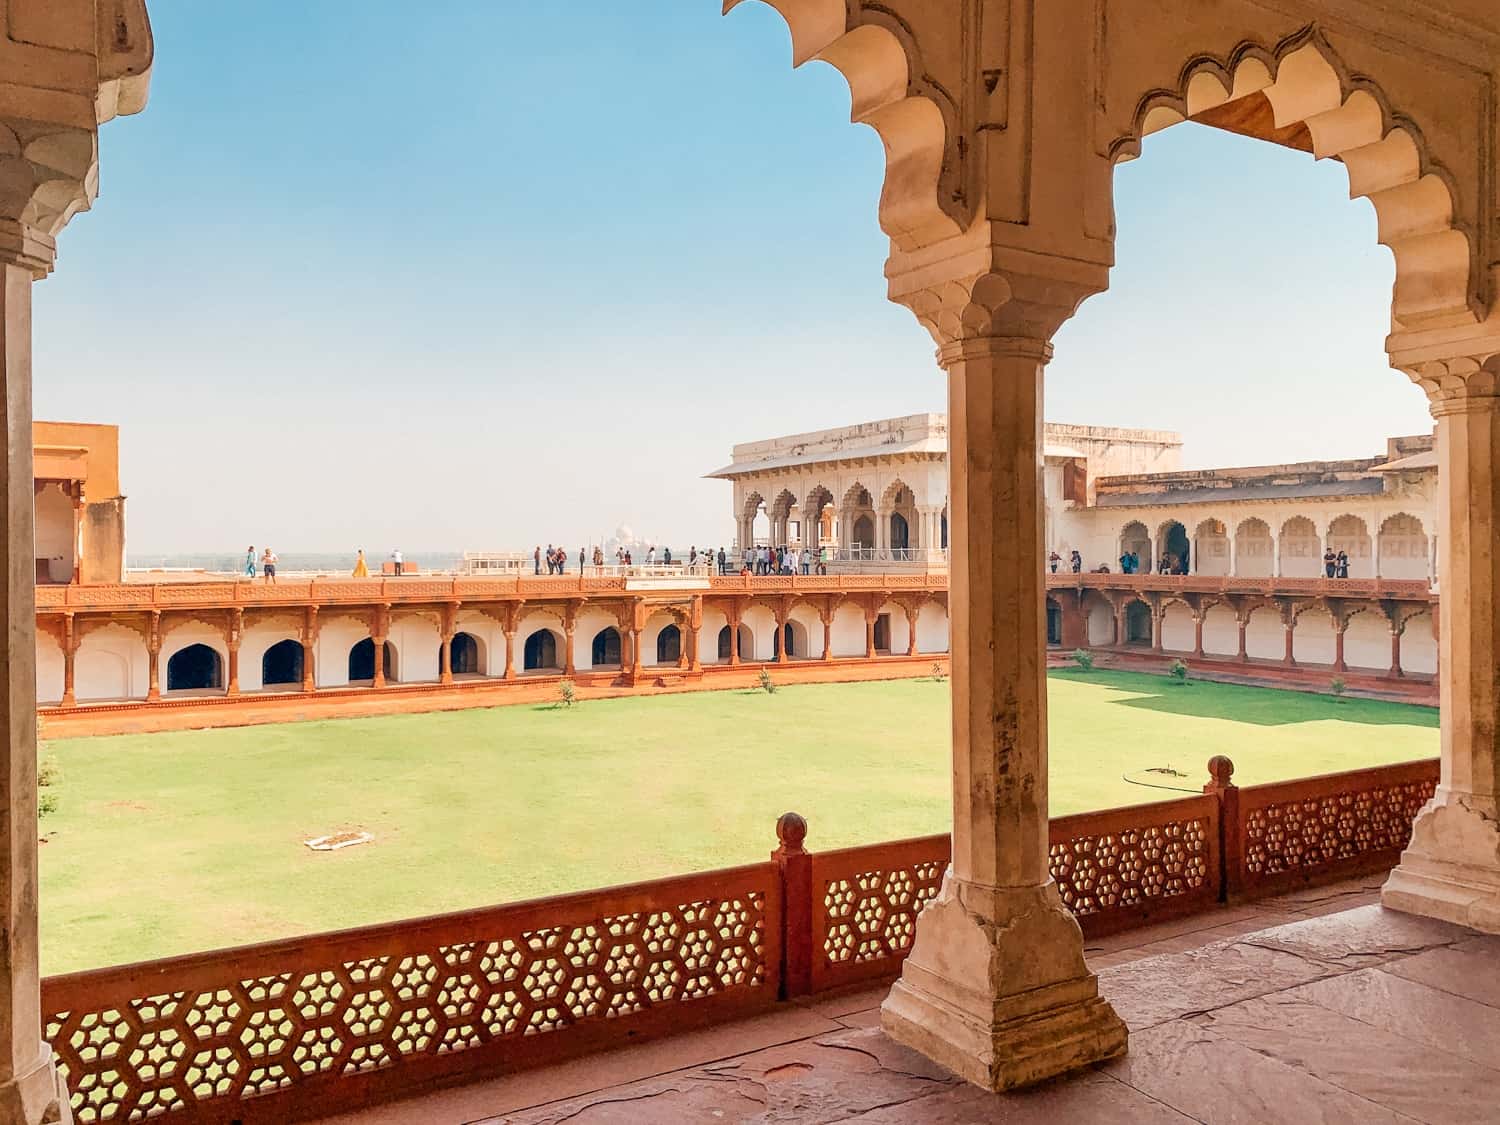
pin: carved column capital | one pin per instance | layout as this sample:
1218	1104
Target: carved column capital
998	309
1460	385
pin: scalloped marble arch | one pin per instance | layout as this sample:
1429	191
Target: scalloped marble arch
1347	119
878	61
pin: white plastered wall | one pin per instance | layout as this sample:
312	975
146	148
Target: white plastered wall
336	637
416	640
932	628
1178	634
848	632
1221	632
1312	641
1367	642
50	673
112	663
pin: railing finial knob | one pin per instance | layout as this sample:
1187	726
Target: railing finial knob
1221	770
791	830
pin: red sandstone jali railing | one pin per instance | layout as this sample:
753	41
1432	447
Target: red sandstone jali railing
308	1026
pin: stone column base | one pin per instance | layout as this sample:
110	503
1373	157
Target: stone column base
38	1097
1451	868
997	991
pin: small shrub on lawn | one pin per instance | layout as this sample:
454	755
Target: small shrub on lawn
46	803
49	772
1178	672
937	672
767	684
1084	659
567	695
1337	687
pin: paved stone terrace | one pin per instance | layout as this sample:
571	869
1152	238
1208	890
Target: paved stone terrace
1315	1006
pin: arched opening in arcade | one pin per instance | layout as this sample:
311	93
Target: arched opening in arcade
1135	549
604	650
1054	623
1349	540
1137	624
1300	549
362	662
1403	549
539	654
791	638
465	655
1173	550
1254	549
746	643
817	518
282	664
669	645
196	667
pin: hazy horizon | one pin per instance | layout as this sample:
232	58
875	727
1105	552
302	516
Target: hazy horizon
538	287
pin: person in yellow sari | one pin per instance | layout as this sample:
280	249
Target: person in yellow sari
360	569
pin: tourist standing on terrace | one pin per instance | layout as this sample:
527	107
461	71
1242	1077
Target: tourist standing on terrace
1343	565
1330	563
396	561
723	562
250	562
536	559
1076	562
268	567
361	570
1053	560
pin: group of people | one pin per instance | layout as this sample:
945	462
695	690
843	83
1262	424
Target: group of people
556	558
1169	563
1335	565
781	560
1075	562
267	565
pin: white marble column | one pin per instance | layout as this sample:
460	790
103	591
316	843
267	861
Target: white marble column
30	1087
1451	869
996	988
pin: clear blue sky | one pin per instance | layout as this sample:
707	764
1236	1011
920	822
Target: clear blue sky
476	274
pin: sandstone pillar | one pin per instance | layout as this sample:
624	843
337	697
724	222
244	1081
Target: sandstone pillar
1244	626
309	650
153	658
871	616
77	532
30	1088
510	653
1396	651
1338	645
70	660
1158	616
1289	624
828	634
733	617
1451	869
996	988
1198	633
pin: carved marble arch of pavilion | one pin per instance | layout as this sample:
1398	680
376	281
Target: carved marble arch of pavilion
781	510
858	519
1329	86
1304	85
819	516
898	515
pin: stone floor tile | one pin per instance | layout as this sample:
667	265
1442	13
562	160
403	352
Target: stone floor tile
1413	1011
830	1079
1157	989
1359	938
1219	1082
1397	1073
1339	905
1144	935
1085	1099
485	1099
861	1000
1470	968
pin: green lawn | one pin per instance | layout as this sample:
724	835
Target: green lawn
167	843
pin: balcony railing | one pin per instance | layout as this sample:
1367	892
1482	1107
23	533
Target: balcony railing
320	1024
1223	584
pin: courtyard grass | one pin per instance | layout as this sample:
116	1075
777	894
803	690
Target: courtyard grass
169	843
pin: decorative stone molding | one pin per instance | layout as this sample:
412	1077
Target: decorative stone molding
914	103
